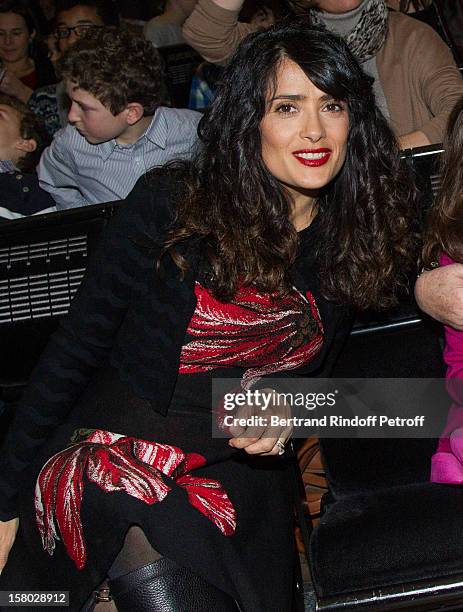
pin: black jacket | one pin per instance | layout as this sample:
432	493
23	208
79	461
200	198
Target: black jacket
126	310
20	193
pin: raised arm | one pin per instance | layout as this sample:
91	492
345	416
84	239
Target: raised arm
214	31
438	79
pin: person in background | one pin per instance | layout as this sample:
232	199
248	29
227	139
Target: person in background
165	29
25	64
444	17
117	128
22	140
74	19
444	246
417	81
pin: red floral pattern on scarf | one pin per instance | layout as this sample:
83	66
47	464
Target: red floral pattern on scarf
255	331
119	463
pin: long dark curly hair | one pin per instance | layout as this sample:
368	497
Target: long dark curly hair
242	212
445	220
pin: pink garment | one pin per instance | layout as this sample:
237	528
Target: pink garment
447	462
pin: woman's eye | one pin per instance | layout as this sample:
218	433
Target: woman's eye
286	109
334	107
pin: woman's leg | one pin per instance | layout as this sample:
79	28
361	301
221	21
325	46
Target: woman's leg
136	552
141	580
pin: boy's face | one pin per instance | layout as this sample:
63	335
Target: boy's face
81	19
91	118
10	135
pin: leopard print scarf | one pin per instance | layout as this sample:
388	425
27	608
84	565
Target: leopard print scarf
367	35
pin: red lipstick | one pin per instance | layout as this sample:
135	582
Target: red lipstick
312	157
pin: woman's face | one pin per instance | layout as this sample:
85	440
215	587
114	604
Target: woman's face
14	37
304	133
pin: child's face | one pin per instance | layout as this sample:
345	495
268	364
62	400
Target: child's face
91	118
10	135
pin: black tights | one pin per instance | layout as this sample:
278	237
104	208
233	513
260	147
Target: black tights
136	552
142	579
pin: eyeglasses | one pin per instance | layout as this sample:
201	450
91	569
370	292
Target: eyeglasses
80	30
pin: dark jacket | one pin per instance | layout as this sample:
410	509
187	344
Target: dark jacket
126	310
20	193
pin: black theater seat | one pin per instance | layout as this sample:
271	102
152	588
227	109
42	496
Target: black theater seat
180	63
404	538
42	262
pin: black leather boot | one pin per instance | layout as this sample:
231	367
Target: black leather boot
164	586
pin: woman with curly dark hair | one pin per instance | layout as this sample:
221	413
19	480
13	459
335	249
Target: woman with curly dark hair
243	263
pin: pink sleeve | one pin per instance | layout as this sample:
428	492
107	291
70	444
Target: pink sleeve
446	467
453	352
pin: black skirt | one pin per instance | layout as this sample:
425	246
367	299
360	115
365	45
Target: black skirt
246	548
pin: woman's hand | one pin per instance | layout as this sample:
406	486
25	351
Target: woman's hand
8	531
11	85
257	433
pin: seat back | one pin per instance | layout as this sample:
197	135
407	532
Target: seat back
42	262
180	63
424	163
398	343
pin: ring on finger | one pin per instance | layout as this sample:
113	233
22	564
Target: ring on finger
281	447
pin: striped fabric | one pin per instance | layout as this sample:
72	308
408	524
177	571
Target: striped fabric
7	166
77	173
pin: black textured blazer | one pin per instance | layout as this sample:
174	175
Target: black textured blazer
127	311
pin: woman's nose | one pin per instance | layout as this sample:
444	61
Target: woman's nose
313	128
